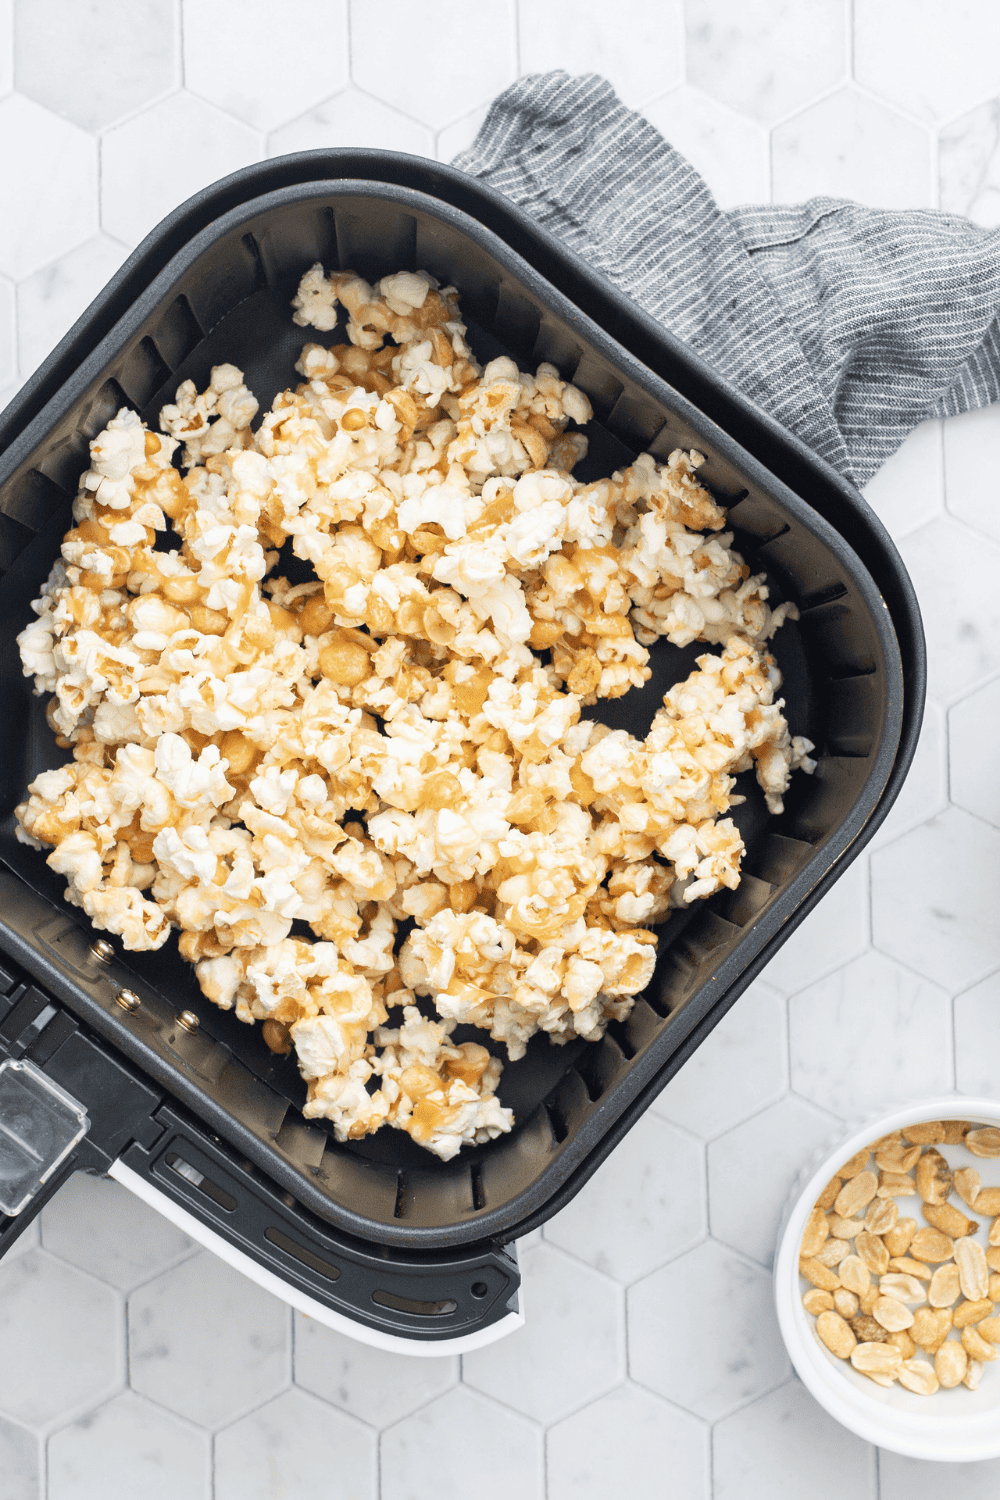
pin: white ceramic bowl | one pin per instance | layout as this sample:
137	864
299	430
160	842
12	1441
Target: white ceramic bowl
951	1426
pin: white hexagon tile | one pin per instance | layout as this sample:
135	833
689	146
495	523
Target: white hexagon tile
134	1362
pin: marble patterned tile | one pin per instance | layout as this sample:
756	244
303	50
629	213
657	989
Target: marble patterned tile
642	1207
100	1226
205	145
352	119
925	790
127	66
459	1440
971	467
50	301
372	1384
572	1345
293	1446
469	58
954	572
969	165
931	60
683	1315
29	1239
908	490
460	134
977	1037
8	332
911	1479
588	1458
266	79
731	152
836	930
765	57
129	1447
752	1168
738	1069
36	146
870	1033
972	731
20	1466
62	1339
207	1343
787	1441
638	48
6	46
941	923
838	147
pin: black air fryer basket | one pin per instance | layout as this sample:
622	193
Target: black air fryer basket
198	1109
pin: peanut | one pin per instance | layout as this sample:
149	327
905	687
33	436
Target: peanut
829	1193
931	1245
877	1359
836	1334
967	1313
930	1327
967	1182
950	1363
897	1241
854	1275
856	1193
908	1267
868	1330
987	1201
820	1276
844	1301
816	1301
857	1164
945	1286
949	1220
872	1251
976	1347
816	1231
901	1340
929	1133
973	1274
933	1176
990	1329
917	1375
984	1140
906	1288
892	1314
844	1229
882	1216
973	1375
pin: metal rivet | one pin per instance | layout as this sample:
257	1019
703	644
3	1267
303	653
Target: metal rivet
128	1000
188	1020
102	951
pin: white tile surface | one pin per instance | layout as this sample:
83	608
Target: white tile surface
467	55
703	1332
839	147
20	1468
751	1170
640	46
925	790
36	146
734	86
61	1336
953	569
101	1227
791	1448
972	729
766	57
909	1479
352	119
730	151
932	60
943	924
372	1384
571	1348
204	144
887	1032
295	1445
969	165
207	1343
49	303
666	1452
642	1207
439	1450
131	51
737	1070
972	469
977	1037
275	66
833	933
908	490
129	1447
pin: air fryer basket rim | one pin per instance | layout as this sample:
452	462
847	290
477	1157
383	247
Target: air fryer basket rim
838	847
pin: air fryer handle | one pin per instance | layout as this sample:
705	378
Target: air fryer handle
427	1301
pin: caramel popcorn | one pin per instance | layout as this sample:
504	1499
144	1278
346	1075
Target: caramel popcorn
399	739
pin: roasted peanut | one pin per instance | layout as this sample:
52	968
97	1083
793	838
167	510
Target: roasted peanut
928	1133
931	1245
816	1301
930	1327
933	1176
945	1286
815	1232
867	1329
876	1359
892	1314
987	1201
872	1251
829	1193
897	1241
908	1267
906	1288
819	1275
973	1375
949	1220
857	1163
967	1183
882	1216
845	1302
967	1313
950	1364
975	1346
836	1334
853	1274
984	1140
917	1375
973	1273
901	1340
856	1194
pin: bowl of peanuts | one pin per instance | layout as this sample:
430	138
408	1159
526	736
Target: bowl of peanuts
887	1280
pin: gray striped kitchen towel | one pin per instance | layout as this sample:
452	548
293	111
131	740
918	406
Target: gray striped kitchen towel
849	325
